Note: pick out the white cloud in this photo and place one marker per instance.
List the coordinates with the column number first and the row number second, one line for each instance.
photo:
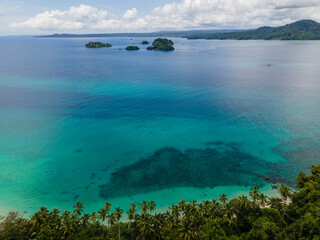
column 130, row 14
column 180, row 15
column 75, row 18
column 232, row 13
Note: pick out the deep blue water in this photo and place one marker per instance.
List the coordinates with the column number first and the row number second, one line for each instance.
column 93, row 125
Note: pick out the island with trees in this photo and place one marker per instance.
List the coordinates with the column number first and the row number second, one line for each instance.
column 132, row 48
column 98, row 45
column 294, row 215
column 162, row 44
column 144, row 43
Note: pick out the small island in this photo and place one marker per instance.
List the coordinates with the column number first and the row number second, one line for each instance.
column 162, row 44
column 130, row 48
column 144, row 42
column 98, row 45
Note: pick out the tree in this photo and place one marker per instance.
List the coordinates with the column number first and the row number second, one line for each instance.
column 103, row 213
column 118, row 214
column 262, row 199
column 112, row 219
column 187, row 229
column 151, row 206
column 78, row 209
column 94, row 217
column 144, row 207
column 223, row 199
column 254, row 194
column 284, row 191
column 238, row 219
column 244, row 202
column 145, row 226
column 130, row 48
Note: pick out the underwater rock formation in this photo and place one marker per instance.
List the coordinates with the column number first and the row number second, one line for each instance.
column 201, row 168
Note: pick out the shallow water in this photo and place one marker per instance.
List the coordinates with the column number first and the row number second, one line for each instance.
column 93, row 125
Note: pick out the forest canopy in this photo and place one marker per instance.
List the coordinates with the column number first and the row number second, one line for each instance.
column 292, row 215
column 162, row 44
column 300, row 30
column 130, row 48
column 97, row 45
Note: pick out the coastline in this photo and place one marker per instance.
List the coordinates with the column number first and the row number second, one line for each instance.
column 168, row 196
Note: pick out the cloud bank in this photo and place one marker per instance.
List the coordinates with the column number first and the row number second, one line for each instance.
column 185, row 14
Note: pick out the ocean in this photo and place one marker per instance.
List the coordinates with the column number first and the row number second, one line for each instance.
column 97, row 125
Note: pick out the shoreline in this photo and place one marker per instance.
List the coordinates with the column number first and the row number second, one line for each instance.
column 167, row 196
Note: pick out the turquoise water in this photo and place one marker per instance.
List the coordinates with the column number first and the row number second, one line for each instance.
column 96, row 125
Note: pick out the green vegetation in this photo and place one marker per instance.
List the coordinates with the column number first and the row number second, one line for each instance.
column 162, row 44
column 144, row 42
column 240, row 218
column 130, row 48
column 301, row 30
column 97, row 45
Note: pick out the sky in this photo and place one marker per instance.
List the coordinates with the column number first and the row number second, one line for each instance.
column 18, row 17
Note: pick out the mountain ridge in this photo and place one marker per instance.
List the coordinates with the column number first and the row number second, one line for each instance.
column 299, row 30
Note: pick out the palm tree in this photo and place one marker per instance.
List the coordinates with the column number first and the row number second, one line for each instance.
column 158, row 221
column 174, row 211
column 112, row 219
column 107, row 206
column 78, row 209
column 244, row 202
column 118, row 214
column 66, row 214
column 145, row 225
column 275, row 203
column 85, row 219
column 182, row 205
column 215, row 208
column 254, row 194
column 103, row 213
column 152, row 206
column 205, row 208
column 133, row 207
column 284, row 191
column 36, row 221
column 132, row 213
column 262, row 199
column 144, row 207
column 223, row 199
column 93, row 217
column 67, row 227
column 186, row 229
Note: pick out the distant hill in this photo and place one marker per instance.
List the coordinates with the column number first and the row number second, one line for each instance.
column 300, row 30
column 152, row 34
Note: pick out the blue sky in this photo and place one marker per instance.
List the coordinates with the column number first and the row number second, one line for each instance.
column 73, row 16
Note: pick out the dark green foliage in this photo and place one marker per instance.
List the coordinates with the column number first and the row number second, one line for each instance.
column 144, row 42
column 301, row 30
column 97, row 45
column 160, row 41
column 239, row 218
column 162, row 44
column 132, row 48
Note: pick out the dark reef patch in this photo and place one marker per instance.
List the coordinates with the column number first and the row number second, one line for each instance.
column 93, row 176
column 299, row 154
column 201, row 168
